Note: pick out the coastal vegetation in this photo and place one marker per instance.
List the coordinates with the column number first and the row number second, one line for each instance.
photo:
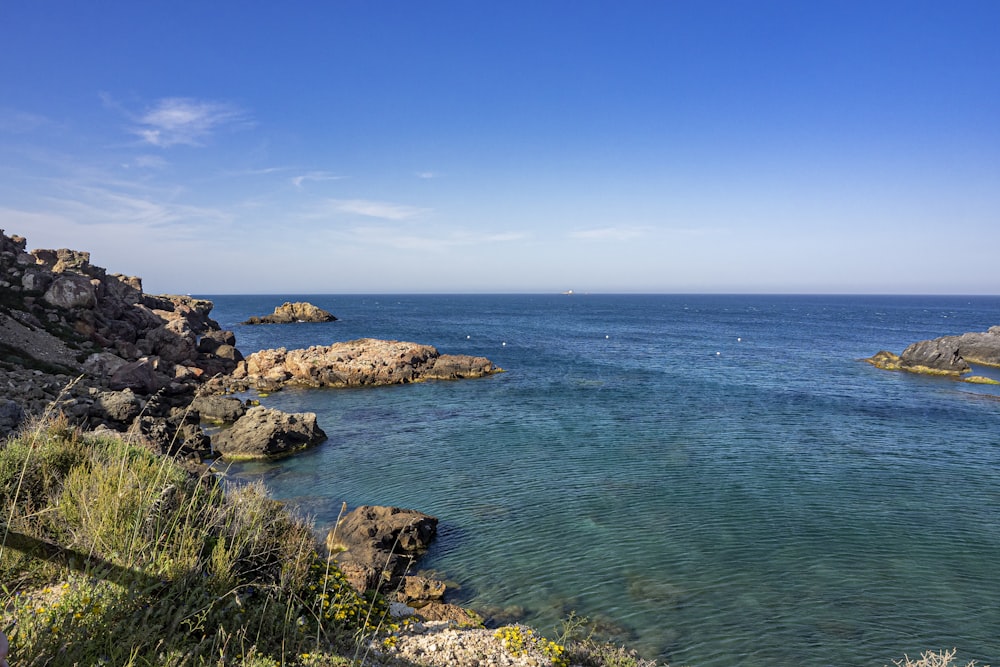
column 114, row 555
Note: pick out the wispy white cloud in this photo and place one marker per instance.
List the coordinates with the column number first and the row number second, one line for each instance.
column 610, row 233
column 185, row 121
column 377, row 209
column 148, row 162
column 21, row 122
column 91, row 201
column 444, row 240
column 426, row 174
column 317, row 176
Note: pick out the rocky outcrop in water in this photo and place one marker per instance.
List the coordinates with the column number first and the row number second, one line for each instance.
column 287, row 313
column 363, row 362
column 948, row 355
column 263, row 433
column 375, row 546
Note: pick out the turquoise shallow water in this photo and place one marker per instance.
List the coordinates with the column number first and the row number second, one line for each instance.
column 715, row 479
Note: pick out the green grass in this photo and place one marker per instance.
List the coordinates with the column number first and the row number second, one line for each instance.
column 113, row 555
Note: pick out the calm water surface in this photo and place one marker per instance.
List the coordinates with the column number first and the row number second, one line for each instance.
column 716, row 480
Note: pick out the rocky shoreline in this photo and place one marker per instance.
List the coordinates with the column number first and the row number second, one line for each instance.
column 92, row 348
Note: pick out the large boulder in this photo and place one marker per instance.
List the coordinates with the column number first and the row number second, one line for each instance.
column 175, row 434
column 940, row 355
column 375, row 546
column 103, row 364
column 286, row 313
column 11, row 417
column 140, row 376
column 119, row 407
column 981, row 348
column 361, row 362
column 264, row 433
column 225, row 409
column 71, row 291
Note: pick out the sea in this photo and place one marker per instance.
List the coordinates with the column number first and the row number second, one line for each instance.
column 714, row 480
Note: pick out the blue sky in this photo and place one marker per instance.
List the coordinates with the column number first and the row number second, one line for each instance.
column 389, row 147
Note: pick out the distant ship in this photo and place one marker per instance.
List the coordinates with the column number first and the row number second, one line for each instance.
column 569, row 291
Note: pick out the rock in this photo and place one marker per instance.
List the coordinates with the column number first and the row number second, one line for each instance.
column 451, row 614
column 980, row 379
column 287, row 313
column 212, row 340
column 139, row 376
column 40, row 348
column 264, row 433
column 361, row 362
column 219, row 408
column 116, row 406
column 947, row 355
column 981, row 348
column 174, row 435
column 938, row 355
column 174, row 342
column 375, row 546
column 71, row 291
column 11, row 417
column 420, row 591
column 103, row 364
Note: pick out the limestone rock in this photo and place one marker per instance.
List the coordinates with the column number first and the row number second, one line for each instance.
column 71, row 291
column 286, row 313
column 361, row 362
column 263, row 433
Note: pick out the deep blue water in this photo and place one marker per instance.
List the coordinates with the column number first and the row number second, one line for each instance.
column 717, row 480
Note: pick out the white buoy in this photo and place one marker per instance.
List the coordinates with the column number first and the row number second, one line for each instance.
column 739, row 340
column 468, row 337
column 504, row 343
column 606, row 337
column 718, row 354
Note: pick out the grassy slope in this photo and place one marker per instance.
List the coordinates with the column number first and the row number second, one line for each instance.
column 112, row 555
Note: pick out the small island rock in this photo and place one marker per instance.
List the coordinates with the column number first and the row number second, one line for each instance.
column 947, row 355
column 362, row 362
column 286, row 313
